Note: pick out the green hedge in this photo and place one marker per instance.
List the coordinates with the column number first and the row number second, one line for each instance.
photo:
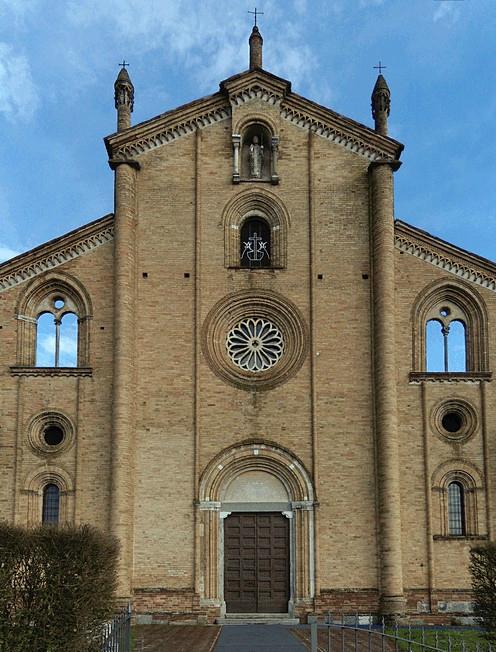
column 57, row 588
column 483, row 571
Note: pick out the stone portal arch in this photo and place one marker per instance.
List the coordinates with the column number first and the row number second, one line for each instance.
column 256, row 477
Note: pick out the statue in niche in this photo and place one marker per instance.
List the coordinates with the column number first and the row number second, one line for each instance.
column 256, row 158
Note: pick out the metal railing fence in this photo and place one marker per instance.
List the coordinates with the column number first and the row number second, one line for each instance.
column 359, row 633
column 116, row 636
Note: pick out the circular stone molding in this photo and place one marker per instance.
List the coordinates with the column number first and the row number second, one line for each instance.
column 50, row 433
column 454, row 420
column 254, row 339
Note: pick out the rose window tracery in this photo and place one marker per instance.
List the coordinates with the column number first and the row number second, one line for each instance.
column 255, row 344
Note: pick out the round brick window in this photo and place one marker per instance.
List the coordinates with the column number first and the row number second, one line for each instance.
column 454, row 420
column 50, row 433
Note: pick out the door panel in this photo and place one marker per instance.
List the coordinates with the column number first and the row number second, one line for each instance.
column 256, row 563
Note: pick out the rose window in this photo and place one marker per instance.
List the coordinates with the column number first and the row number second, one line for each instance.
column 255, row 344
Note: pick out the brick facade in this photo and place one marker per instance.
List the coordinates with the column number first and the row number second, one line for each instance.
column 163, row 421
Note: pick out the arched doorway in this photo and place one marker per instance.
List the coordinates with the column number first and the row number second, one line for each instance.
column 256, row 531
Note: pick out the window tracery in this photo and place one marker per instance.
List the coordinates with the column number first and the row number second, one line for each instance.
column 53, row 323
column 449, row 330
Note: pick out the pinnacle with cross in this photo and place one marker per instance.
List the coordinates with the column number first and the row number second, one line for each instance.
column 123, row 64
column 256, row 13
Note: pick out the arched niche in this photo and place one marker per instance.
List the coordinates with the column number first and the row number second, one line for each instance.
column 255, row 151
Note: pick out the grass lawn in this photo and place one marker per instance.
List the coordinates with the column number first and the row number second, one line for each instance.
column 446, row 638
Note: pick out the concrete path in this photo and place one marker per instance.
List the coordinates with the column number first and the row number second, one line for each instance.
column 257, row 638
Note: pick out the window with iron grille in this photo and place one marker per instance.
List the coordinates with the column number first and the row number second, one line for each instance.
column 456, row 509
column 51, row 504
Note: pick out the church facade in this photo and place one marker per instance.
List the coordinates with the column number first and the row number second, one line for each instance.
column 281, row 396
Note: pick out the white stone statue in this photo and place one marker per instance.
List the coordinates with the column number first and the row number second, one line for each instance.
column 256, row 159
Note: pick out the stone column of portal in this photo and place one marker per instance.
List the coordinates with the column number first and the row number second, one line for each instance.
column 386, row 429
column 123, row 403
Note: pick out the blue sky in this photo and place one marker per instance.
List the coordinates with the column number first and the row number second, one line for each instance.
column 58, row 62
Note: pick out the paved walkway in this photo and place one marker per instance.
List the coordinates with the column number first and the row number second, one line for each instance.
column 257, row 638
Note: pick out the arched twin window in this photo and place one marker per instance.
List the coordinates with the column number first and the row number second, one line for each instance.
column 450, row 330
column 445, row 342
column 57, row 336
column 53, row 323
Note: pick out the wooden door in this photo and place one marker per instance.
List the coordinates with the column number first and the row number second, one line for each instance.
column 256, row 563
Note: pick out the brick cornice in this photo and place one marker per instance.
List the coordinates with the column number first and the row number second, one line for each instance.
column 50, row 371
column 56, row 252
column 167, row 127
column 242, row 88
column 447, row 257
column 343, row 131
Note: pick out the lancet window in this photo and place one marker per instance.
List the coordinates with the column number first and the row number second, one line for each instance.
column 456, row 509
column 51, row 504
column 458, row 492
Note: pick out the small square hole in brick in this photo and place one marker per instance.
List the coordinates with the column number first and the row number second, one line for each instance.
column 102, row 328
column 186, row 274
column 320, row 276
column 145, row 274
column 365, row 276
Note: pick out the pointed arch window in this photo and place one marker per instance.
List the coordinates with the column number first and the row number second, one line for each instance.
column 51, row 504
column 255, row 243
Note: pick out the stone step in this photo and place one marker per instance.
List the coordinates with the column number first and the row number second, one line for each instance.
column 257, row 619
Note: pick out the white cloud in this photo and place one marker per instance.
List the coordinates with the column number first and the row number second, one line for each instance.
column 18, row 94
column 446, row 11
column 6, row 253
column 191, row 35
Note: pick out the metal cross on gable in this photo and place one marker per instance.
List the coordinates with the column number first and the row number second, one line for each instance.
column 256, row 13
column 380, row 67
column 123, row 64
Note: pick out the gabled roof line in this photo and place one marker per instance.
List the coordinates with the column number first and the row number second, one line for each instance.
column 56, row 252
column 247, row 86
column 444, row 255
